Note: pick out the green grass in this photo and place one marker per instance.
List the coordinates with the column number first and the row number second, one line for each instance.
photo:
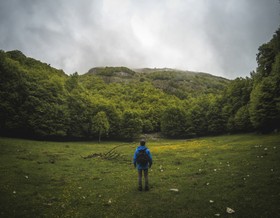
column 50, row 179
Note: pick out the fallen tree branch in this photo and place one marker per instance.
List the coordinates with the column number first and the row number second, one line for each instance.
column 92, row 155
column 111, row 154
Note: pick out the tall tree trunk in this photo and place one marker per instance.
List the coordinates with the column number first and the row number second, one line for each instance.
column 99, row 137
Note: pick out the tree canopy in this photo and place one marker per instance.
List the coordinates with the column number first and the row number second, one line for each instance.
column 40, row 101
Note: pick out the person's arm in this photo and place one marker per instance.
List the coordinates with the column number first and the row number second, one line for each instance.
column 134, row 158
column 150, row 157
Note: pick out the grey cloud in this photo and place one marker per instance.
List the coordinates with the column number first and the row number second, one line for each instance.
column 219, row 37
column 235, row 32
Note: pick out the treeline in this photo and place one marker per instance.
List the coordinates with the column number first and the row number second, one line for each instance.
column 39, row 101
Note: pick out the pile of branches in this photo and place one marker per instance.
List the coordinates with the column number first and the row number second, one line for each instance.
column 110, row 155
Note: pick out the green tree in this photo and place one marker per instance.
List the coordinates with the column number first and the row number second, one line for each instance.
column 242, row 120
column 72, row 82
column 215, row 117
column 81, row 111
column 101, row 124
column 176, row 123
column 235, row 97
column 13, row 93
column 131, row 125
column 264, row 105
column 265, row 101
column 267, row 56
column 198, row 108
column 32, row 97
column 113, row 115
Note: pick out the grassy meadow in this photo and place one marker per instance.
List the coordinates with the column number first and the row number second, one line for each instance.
column 51, row 179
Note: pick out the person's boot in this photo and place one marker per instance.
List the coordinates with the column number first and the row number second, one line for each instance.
column 140, row 188
column 147, row 185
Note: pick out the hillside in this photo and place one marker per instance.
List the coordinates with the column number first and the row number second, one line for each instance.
column 175, row 82
column 40, row 101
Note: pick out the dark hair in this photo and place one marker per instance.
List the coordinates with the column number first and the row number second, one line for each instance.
column 142, row 142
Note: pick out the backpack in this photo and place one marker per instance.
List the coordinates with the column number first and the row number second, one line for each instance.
column 142, row 157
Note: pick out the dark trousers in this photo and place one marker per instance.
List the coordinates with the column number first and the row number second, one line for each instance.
column 140, row 173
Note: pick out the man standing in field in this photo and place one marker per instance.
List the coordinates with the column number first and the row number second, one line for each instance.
column 142, row 159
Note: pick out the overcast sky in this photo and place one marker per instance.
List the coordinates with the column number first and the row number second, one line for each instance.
column 220, row 37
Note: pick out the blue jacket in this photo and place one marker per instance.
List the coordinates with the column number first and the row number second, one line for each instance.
column 140, row 167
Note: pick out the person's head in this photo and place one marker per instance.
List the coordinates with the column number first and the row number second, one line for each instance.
column 142, row 142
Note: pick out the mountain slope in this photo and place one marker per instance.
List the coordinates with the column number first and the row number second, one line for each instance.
column 176, row 82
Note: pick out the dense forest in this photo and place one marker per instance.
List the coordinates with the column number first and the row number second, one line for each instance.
column 39, row 101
